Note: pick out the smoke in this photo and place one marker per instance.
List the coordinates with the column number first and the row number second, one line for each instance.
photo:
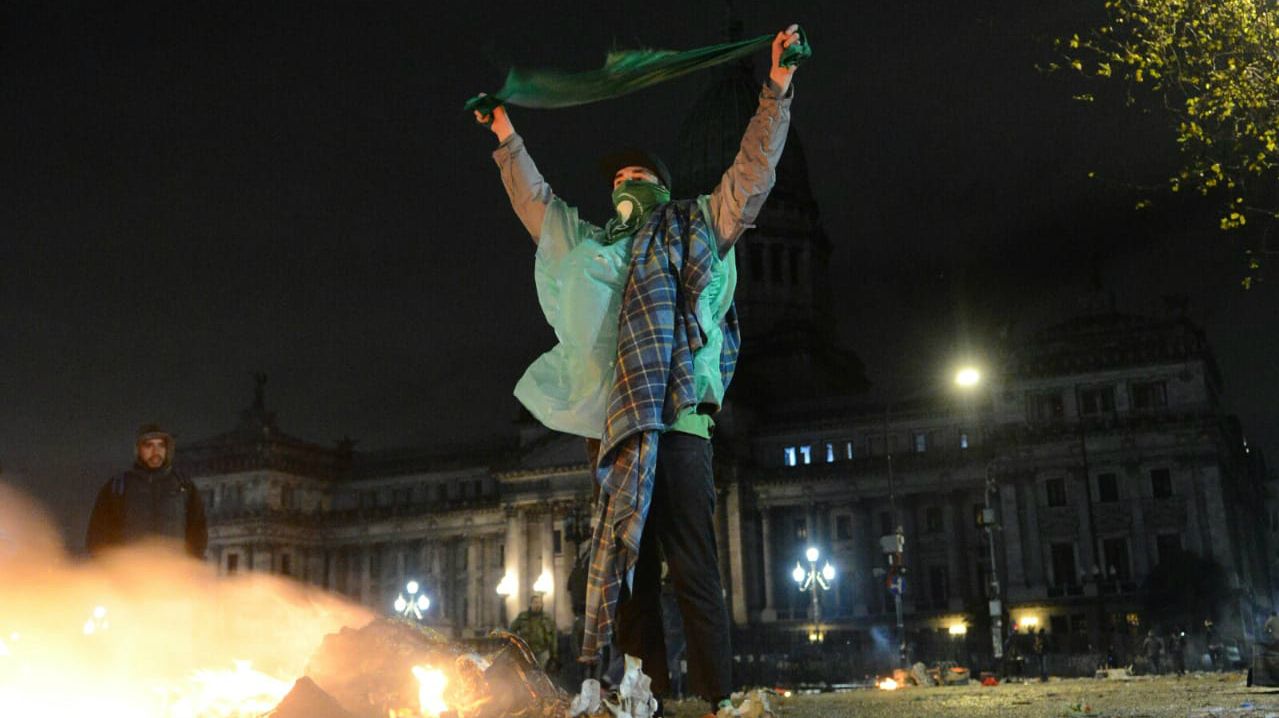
column 882, row 639
column 126, row 634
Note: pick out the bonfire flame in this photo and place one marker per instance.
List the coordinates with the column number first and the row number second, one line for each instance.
column 230, row 694
column 167, row 646
column 432, row 682
column 181, row 642
column 888, row 684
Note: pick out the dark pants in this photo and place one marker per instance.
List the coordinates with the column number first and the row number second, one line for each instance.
column 681, row 523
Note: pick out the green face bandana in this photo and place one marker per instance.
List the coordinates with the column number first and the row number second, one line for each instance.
column 633, row 200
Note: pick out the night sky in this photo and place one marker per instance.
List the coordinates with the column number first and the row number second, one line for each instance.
column 196, row 192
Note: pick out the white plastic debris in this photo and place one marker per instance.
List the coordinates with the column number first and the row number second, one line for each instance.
column 587, row 702
column 759, row 703
column 634, row 697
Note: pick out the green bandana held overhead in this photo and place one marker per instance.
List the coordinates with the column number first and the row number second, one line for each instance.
column 634, row 201
column 623, row 73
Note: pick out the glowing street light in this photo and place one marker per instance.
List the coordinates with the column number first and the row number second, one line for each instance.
column 813, row 580
column 544, row 583
column 506, row 587
column 97, row 621
column 416, row 605
column 968, row 377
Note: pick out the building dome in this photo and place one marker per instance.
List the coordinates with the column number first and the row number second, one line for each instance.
column 789, row 347
column 711, row 133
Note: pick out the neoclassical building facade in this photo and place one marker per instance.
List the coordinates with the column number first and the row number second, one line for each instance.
column 1102, row 438
column 1107, row 448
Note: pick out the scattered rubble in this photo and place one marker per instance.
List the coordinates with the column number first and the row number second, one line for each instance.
column 369, row 673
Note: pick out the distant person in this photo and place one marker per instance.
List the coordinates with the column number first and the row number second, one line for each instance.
column 537, row 629
column 150, row 500
column 1040, row 646
column 1011, row 665
column 1153, row 647
column 1213, row 641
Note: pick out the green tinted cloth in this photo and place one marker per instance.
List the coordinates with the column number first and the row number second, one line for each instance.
column 690, row 422
column 624, row 72
column 580, row 278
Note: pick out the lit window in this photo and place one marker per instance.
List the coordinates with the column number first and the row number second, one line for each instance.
column 830, row 453
column 806, row 454
column 921, row 442
column 789, row 455
column 848, row 450
column 963, row 440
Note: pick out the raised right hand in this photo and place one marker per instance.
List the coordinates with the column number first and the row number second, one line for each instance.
column 498, row 121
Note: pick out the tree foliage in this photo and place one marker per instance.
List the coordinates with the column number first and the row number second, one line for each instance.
column 1213, row 65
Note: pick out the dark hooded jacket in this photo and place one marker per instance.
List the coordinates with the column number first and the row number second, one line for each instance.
column 148, row 503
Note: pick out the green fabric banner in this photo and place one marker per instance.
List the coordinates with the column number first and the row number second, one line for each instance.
column 624, row 72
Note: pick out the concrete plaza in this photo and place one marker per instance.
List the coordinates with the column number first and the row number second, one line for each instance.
column 1201, row 695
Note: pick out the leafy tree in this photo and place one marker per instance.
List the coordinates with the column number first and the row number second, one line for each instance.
column 1213, row 66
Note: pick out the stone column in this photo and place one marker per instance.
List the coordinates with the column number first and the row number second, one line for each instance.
column 736, row 558
column 866, row 555
column 1141, row 550
column 514, row 552
column 263, row 560
column 318, row 562
column 1207, row 481
column 563, row 566
column 400, row 566
column 1089, row 552
column 769, row 614
column 474, row 577
column 954, row 563
column 366, row 574
column 546, row 560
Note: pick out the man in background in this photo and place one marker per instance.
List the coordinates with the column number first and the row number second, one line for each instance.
column 538, row 630
column 150, row 500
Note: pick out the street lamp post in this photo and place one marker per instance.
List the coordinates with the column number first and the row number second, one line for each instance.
column 969, row 378
column 416, row 605
column 996, row 602
column 814, row 581
column 894, row 545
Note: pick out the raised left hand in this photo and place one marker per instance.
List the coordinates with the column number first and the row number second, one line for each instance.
column 781, row 76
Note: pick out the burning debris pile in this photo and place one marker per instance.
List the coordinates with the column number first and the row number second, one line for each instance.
column 146, row 632
column 391, row 667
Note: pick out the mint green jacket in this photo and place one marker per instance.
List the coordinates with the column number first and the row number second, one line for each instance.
column 580, row 279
